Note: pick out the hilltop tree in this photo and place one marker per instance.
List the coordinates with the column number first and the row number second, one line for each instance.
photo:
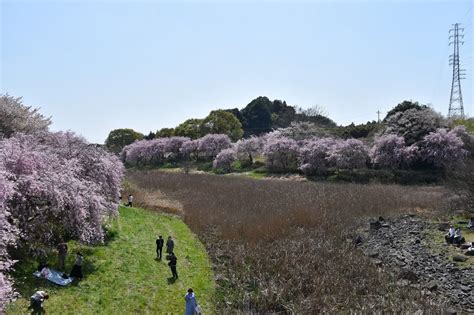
column 404, row 106
column 222, row 122
column 16, row 117
column 191, row 128
column 315, row 115
column 413, row 124
column 282, row 114
column 237, row 113
column 257, row 116
column 165, row 133
column 358, row 131
column 151, row 135
column 119, row 138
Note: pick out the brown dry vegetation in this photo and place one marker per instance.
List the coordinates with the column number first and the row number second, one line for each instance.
column 285, row 245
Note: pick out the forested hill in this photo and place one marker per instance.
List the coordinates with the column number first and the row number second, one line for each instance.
column 260, row 116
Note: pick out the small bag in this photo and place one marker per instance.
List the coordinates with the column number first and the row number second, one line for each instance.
column 198, row 309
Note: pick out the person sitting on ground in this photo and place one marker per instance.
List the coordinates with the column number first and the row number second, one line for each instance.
column 450, row 235
column 470, row 225
column 41, row 265
column 458, row 238
column 45, row 272
column 36, row 302
column 77, row 268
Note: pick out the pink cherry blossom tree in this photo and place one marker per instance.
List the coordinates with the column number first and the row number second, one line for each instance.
column 211, row 144
column 348, row 154
column 281, row 153
column 223, row 161
column 8, row 236
column 442, row 148
column 247, row 149
column 17, row 117
column 313, row 155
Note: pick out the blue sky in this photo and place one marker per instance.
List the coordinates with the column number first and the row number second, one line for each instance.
column 99, row 65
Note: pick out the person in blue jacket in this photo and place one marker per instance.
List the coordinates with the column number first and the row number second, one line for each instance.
column 191, row 302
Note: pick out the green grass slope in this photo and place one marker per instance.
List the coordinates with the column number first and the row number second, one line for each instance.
column 123, row 277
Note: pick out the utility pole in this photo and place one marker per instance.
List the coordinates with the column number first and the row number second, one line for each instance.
column 378, row 116
column 456, row 107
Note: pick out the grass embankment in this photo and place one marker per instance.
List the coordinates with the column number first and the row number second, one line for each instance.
column 123, row 277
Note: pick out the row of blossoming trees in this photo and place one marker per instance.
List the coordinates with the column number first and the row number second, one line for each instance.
column 53, row 186
column 440, row 149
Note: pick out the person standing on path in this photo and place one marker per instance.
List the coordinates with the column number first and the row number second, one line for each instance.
column 130, row 200
column 169, row 245
column 62, row 253
column 173, row 262
column 159, row 246
column 191, row 303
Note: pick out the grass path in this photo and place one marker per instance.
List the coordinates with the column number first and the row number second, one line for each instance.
column 123, row 277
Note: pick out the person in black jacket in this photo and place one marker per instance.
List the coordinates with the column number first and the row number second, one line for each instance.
column 169, row 245
column 172, row 264
column 159, row 246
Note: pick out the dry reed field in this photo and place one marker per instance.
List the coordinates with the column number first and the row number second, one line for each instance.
column 285, row 246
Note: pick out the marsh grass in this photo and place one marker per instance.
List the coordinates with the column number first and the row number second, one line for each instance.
column 286, row 246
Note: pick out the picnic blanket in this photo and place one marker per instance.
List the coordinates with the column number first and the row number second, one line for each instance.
column 55, row 277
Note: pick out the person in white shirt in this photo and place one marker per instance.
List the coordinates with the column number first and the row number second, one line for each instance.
column 450, row 236
column 36, row 301
column 130, row 200
column 458, row 238
column 470, row 225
